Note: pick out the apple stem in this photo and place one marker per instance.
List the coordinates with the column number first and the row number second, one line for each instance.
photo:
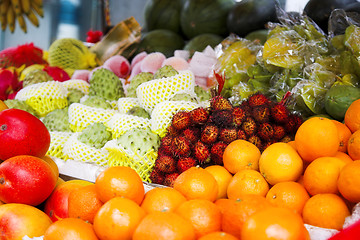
column 3, row 127
column 2, row 180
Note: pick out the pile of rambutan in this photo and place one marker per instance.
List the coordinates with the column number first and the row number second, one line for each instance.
column 200, row 136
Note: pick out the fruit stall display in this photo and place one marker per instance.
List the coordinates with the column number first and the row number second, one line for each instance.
column 188, row 139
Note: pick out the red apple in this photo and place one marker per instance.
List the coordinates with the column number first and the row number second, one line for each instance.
column 56, row 206
column 18, row 220
column 21, row 133
column 26, row 179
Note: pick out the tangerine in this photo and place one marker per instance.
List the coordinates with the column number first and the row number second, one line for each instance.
column 354, row 145
column 222, row 177
column 349, row 181
column 352, row 116
column 344, row 135
column 218, row 235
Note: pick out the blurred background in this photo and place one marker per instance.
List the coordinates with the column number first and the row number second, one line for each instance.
column 73, row 18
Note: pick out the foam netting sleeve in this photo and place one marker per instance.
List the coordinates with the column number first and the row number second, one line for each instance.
column 78, row 84
column 58, row 140
column 119, row 123
column 44, row 97
column 163, row 112
column 158, row 90
column 80, row 116
column 126, row 103
column 78, row 151
column 143, row 165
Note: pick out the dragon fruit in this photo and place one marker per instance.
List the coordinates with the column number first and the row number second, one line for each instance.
column 9, row 83
column 26, row 54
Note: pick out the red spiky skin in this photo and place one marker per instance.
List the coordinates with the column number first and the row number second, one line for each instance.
column 181, row 120
column 180, row 147
column 199, row 115
column 170, row 179
column 249, row 126
column 172, row 131
column 217, row 152
column 241, row 134
column 201, row 152
column 220, row 103
column 228, row 135
column 156, row 176
column 279, row 113
column 222, row 118
column 165, row 164
column 184, row 164
column 261, row 113
column 265, row 131
column 293, row 123
column 165, row 145
column 192, row 134
column 209, row 134
column 254, row 139
column 279, row 132
column 257, row 99
column 239, row 115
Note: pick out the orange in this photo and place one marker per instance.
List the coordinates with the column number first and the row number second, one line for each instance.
column 322, row 174
column 280, row 163
column 197, row 183
column 352, row 116
column 237, row 211
column 349, row 181
column 222, row 177
column 83, row 203
column 52, row 164
column 218, row 236
column 344, row 135
column 292, row 143
column 241, row 154
column 70, row 229
column 164, row 226
column 274, row 223
column 18, row 220
column 354, row 145
column 317, row 137
column 119, row 181
column 118, row 219
column 301, row 180
column 326, row 210
column 345, row 158
column 162, row 199
column 3, row 106
column 247, row 181
column 290, row 195
column 204, row 215
column 222, row 203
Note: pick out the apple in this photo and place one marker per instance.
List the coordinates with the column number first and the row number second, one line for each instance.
column 26, row 179
column 21, row 133
column 18, row 220
column 56, row 206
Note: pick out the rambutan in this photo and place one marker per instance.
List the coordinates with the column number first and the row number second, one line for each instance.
column 199, row 115
column 249, row 126
column 184, row 164
column 201, row 152
column 220, row 103
column 228, row 135
column 239, row 115
column 172, row 131
column 170, row 179
column 241, row 134
column 261, row 113
column 257, row 99
column 254, row 139
column 209, row 134
column 156, row 176
column 192, row 134
column 293, row 123
column 265, row 131
column 165, row 145
column 181, row 120
column 222, row 118
column 165, row 164
column 279, row 113
column 180, row 147
column 217, row 152
column 279, row 131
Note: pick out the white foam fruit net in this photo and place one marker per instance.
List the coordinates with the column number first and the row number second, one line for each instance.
column 142, row 164
column 126, row 103
column 155, row 91
column 80, row 116
column 163, row 112
column 119, row 123
column 78, row 84
column 58, row 140
column 78, row 151
column 44, row 97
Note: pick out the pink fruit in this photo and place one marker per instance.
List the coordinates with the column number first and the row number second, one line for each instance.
column 118, row 65
column 82, row 74
column 135, row 70
column 138, row 58
column 152, row 62
column 26, row 179
column 177, row 63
